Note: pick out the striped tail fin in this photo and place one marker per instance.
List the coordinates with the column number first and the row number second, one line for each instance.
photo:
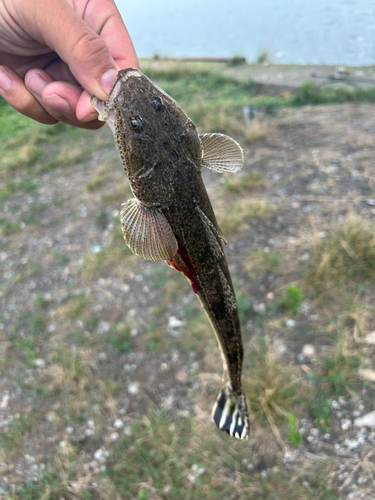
column 230, row 413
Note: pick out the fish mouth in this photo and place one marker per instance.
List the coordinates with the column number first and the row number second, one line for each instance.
column 122, row 76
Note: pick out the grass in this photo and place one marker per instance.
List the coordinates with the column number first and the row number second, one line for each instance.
column 346, row 253
column 260, row 262
column 311, row 93
column 292, row 299
column 116, row 253
column 272, row 388
column 164, row 455
column 234, row 216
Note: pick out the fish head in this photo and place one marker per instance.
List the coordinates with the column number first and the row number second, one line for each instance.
column 154, row 136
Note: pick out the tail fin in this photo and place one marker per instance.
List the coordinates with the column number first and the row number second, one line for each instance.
column 230, row 413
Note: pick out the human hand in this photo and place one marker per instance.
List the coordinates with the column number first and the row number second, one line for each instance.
column 55, row 53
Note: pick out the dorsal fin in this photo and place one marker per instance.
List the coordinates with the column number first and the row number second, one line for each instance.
column 213, row 235
column 221, row 153
column 147, row 232
column 229, row 297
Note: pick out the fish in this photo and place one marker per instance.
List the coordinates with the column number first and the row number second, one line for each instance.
column 171, row 218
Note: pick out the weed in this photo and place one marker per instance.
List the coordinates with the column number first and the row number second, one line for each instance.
column 293, row 435
column 11, row 441
column 75, row 306
column 152, row 454
column 339, row 373
column 263, row 57
column 61, row 258
column 292, row 300
column 119, row 339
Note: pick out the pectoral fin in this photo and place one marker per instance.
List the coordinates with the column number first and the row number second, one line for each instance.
column 147, row 232
column 221, row 153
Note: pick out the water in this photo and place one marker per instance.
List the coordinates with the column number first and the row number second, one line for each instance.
column 292, row 31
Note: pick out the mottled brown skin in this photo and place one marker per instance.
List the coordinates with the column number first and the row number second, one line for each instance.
column 161, row 153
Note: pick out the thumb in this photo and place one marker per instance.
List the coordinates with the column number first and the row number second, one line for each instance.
column 56, row 25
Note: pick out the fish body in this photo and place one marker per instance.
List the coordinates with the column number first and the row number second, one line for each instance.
column 171, row 217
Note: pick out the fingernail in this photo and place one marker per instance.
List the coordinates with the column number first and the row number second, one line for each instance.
column 90, row 117
column 36, row 84
column 107, row 79
column 57, row 103
column 5, row 81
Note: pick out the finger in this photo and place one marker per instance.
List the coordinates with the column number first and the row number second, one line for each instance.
column 59, row 99
column 14, row 91
column 77, row 44
column 104, row 18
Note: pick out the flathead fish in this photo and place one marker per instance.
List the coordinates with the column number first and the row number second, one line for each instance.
column 171, row 218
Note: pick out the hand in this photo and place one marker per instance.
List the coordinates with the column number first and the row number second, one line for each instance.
column 55, row 53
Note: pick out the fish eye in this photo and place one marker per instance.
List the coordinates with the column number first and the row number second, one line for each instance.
column 158, row 103
column 136, row 123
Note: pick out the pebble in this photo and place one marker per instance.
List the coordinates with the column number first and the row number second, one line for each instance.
column 370, row 338
column 118, row 424
column 367, row 374
column 345, row 424
column 367, row 420
column 39, row 363
column 174, row 323
column 290, row 323
column 114, row 436
column 133, row 388
column 69, row 430
column 98, row 454
column 308, row 350
column 104, row 327
column 89, row 432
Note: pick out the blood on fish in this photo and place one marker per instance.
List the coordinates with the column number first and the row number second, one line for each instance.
column 182, row 263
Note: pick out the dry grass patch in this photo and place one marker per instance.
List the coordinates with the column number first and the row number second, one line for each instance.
column 242, row 183
column 271, row 388
column 234, row 217
column 347, row 252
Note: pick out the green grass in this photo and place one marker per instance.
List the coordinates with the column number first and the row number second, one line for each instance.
column 292, row 299
column 311, row 93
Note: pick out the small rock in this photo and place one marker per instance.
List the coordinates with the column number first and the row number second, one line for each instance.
column 181, row 376
column 174, row 323
column 370, row 338
column 367, row 374
column 98, row 454
column 39, row 363
column 118, row 424
column 89, row 432
column 290, row 323
column 133, row 388
column 367, row 420
column 114, row 436
column 261, row 308
column 69, row 430
column 345, row 424
column 90, row 423
column 104, row 327
column 308, row 350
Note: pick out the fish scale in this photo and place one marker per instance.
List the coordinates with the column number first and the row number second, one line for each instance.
column 171, row 217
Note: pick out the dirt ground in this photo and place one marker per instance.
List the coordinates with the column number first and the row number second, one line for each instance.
column 61, row 304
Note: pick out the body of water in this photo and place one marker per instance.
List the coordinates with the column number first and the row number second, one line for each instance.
column 292, row 31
